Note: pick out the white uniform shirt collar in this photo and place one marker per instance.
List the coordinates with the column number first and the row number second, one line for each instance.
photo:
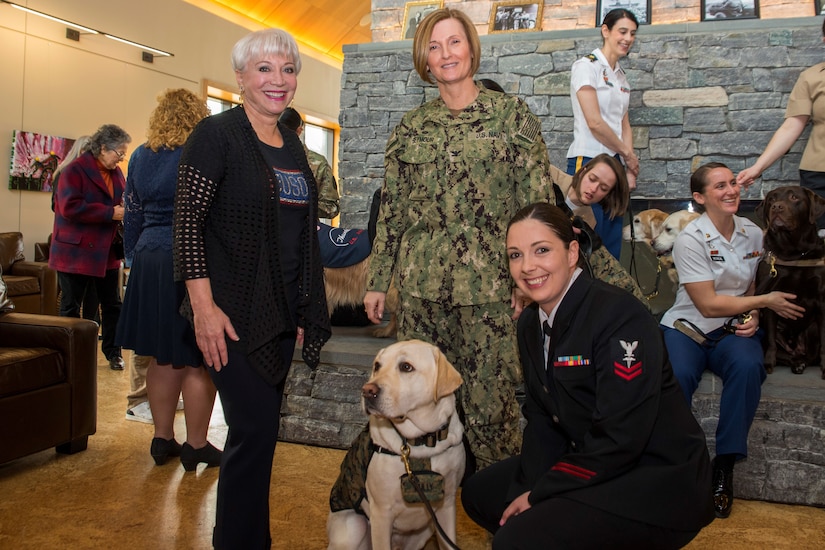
column 603, row 60
column 551, row 317
column 709, row 231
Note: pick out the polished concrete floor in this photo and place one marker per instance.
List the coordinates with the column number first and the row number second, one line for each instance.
column 113, row 496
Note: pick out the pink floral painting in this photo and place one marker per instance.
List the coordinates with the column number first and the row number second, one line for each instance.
column 34, row 158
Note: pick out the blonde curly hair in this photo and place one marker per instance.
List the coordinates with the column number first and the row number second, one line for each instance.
column 177, row 114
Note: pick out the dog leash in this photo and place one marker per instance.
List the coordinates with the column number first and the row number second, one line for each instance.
column 633, row 268
column 695, row 333
column 405, row 457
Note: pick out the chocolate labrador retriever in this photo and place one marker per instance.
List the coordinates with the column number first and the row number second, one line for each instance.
column 793, row 261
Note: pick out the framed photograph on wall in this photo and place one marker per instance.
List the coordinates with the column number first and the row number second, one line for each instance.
column 414, row 12
column 713, row 10
column 640, row 8
column 34, row 158
column 515, row 16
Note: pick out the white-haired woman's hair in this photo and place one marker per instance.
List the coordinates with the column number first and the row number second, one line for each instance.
column 265, row 42
column 79, row 147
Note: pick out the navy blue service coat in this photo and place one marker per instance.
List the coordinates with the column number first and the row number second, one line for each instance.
column 607, row 423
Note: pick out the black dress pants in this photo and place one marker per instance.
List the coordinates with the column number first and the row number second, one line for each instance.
column 73, row 290
column 252, row 409
column 557, row 523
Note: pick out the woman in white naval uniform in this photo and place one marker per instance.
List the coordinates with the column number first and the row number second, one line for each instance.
column 600, row 95
column 716, row 257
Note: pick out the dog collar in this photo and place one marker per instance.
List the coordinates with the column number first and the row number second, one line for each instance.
column 773, row 261
column 430, row 439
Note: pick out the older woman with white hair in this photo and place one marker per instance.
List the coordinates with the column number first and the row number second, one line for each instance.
column 245, row 245
column 87, row 212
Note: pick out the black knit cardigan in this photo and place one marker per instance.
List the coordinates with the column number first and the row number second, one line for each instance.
column 226, row 228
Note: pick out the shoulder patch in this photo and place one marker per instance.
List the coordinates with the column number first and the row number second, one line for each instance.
column 592, row 57
column 530, row 128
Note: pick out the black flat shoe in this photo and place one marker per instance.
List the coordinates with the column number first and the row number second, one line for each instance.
column 191, row 457
column 722, row 492
column 116, row 363
column 162, row 449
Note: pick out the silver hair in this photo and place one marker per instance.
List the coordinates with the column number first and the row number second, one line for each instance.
column 80, row 146
column 110, row 135
column 265, row 42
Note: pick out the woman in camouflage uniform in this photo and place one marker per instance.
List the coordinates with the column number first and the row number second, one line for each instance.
column 457, row 168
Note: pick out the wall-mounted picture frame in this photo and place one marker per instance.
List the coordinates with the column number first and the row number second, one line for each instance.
column 640, row 8
column 515, row 16
column 720, row 10
column 414, row 12
column 34, row 158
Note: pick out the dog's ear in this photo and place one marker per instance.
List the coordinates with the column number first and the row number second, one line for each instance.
column 656, row 224
column 447, row 378
column 817, row 205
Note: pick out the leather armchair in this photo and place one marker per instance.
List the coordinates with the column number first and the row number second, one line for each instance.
column 48, row 384
column 32, row 286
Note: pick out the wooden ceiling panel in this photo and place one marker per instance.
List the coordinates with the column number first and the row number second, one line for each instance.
column 323, row 24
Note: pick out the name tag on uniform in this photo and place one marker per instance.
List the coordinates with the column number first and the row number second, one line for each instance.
column 714, row 255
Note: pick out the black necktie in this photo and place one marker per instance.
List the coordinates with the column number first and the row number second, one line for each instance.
column 545, row 327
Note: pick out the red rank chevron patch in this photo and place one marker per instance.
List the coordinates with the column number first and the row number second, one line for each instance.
column 573, row 470
column 628, row 373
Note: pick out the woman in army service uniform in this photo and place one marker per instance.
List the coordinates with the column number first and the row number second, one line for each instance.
column 457, row 169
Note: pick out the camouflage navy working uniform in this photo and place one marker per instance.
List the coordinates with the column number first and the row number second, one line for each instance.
column 328, row 199
column 452, row 185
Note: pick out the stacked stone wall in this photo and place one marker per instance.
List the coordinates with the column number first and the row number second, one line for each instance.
column 712, row 91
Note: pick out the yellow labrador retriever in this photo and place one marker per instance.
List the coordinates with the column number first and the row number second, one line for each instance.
column 663, row 244
column 646, row 226
column 410, row 401
column 671, row 227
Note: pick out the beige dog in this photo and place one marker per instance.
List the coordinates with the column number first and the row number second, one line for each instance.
column 345, row 287
column 646, row 226
column 663, row 243
column 671, row 227
column 410, row 401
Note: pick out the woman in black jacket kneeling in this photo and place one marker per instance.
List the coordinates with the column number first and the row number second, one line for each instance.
column 612, row 456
